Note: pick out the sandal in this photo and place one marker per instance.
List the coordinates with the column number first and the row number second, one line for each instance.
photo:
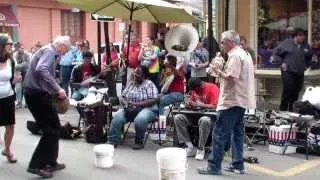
column 10, row 157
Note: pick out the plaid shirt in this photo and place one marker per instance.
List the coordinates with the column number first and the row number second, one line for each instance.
column 135, row 93
column 199, row 56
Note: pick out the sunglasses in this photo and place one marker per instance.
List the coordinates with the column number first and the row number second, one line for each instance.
column 10, row 44
column 223, row 41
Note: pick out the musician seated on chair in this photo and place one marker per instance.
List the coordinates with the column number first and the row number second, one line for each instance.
column 139, row 100
column 203, row 95
column 80, row 74
column 172, row 83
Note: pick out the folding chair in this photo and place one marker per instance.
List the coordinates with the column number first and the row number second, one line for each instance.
column 149, row 128
column 170, row 116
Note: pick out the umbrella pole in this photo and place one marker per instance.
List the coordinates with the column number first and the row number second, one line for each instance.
column 128, row 44
column 210, row 31
column 99, row 42
column 107, row 41
column 110, row 79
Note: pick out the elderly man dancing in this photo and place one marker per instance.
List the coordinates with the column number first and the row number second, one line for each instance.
column 40, row 87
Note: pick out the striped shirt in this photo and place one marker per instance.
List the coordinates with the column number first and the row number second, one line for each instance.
column 135, row 93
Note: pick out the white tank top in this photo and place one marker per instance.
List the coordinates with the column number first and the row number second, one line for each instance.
column 5, row 85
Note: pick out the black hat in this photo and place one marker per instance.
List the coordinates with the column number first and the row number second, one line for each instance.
column 171, row 59
column 195, row 83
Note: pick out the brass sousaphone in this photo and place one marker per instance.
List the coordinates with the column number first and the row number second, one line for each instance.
column 181, row 40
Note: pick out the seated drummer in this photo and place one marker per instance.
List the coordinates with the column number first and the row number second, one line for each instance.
column 139, row 99
column 203, row 95
column 81, row 73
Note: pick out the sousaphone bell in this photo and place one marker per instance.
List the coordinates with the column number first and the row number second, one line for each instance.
column 181, row 40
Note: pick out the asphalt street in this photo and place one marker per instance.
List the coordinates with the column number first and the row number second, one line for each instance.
column 139, row 165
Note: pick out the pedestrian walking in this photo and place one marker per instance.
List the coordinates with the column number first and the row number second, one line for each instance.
column 22, row 60
column 7, row 94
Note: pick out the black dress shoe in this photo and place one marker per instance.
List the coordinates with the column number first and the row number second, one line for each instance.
column 41, row 172
column 55, row 167
column 138, row 146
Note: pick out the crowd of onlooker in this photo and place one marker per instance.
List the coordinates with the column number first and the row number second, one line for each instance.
column 147, row 72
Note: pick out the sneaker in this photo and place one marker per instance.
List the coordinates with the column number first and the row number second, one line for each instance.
column 231, row 168
column 200, row 154
column 208, row 171
column 191, row 151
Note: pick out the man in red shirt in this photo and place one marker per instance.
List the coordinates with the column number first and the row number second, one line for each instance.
column 133, row 60
column 203, row 95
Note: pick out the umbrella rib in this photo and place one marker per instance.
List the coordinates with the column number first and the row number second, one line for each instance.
column 126, row 5
column 139, row 7
column 116, row 1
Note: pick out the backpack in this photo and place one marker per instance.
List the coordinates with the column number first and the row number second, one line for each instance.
column 67, row 131
column 306, row 108
column 95, row 134
column 95, row 130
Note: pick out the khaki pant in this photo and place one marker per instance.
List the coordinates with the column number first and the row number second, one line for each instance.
column 182, row 122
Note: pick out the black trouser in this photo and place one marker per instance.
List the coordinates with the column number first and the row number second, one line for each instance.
column 155, row 78
column 292, row 84
column 46, row 116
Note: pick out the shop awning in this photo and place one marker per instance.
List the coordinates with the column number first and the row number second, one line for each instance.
column 7, row 17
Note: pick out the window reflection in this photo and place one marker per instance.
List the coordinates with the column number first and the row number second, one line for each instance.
column 276, row 21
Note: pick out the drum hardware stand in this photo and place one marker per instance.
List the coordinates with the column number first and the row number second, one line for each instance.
column 261, row 122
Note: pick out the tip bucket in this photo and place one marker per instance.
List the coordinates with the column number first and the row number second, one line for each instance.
column 103, row 155
column 172, row 163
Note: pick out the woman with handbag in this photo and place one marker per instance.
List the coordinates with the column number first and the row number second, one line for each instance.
column 139, row 100
column 7, row 94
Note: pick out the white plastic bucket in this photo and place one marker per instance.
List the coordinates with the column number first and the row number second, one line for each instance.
column 172, row 163
column 103, row 155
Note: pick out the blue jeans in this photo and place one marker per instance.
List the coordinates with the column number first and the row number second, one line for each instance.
column 19, row 92
column 168, row 99
column 141, row 121
column 229, row 121
column 65, row 74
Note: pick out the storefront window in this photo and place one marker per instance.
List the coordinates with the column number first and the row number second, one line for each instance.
column 276, row 21
column 315, row 43
column 72, row 24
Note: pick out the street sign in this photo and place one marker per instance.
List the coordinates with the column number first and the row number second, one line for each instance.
column 97, row 17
